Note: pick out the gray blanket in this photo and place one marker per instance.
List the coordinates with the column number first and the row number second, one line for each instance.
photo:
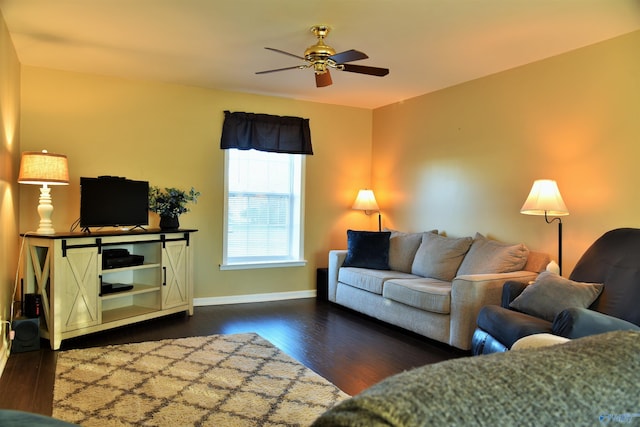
column 589, row 381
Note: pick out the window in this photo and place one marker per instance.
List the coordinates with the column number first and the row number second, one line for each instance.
column 263, row 209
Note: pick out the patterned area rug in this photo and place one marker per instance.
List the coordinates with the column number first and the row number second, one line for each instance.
column 219, row 380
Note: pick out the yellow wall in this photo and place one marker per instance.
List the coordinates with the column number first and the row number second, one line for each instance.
column 463, row 159
column 9, row 164
column 169, row 135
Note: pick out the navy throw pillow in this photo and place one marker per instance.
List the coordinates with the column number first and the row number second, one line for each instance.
column 368, row 249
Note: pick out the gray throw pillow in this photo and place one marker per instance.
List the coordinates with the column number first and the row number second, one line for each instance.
column 550, row 294
column 403, row 248
column 439, row 257
column 490, row 256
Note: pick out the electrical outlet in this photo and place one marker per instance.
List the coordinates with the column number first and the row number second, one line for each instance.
column 7, row 332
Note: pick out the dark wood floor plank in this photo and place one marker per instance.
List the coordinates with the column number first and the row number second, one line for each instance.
column 19, row 381
column 349, row 349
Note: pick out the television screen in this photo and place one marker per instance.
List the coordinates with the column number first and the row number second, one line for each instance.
column 113, row 201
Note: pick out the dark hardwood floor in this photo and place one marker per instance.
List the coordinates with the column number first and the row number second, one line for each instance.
column 349, row 349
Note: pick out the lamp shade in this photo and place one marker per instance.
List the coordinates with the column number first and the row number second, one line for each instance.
column 365, row 201
column 544, row 199
column 41, row 167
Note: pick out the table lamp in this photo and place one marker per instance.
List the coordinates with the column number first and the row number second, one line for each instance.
column 43, row 168
column 545, row 199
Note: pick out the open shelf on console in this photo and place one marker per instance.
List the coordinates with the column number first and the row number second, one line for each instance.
column 137, row 290
column 125, row 313
column 130, row 268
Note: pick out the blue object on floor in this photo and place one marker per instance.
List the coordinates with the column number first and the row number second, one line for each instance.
column 11, row 418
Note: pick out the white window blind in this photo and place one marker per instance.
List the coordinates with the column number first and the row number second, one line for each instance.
column 263, row 210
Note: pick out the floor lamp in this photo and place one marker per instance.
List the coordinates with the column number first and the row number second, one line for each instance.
column 545, row 199
column 366, row 202
column 44, row 168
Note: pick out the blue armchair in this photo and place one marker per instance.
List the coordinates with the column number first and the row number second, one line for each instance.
column 613, row 260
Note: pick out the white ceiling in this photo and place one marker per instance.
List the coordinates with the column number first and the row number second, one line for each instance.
column 427, row 44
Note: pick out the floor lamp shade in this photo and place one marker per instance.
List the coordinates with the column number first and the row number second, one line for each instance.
column 44, row 168
column 366, row 201
column 545, row 199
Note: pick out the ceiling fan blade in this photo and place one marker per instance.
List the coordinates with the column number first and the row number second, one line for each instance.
column 284, row 53
column 348, row 56
column 372, row 71
column 323, row 79
column 279, row 69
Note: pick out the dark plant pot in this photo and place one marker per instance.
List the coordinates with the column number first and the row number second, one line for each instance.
column 169, row 223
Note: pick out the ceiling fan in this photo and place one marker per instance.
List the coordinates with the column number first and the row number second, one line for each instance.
column 322, row 58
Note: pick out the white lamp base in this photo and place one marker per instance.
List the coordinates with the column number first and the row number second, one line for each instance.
column 45, row 209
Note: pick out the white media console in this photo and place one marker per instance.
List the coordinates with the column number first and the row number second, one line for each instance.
column 66, row 269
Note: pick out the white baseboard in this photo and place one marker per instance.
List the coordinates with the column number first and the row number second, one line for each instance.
column 243, row 299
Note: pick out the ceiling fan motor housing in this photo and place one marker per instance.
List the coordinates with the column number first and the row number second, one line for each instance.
column 318, row 53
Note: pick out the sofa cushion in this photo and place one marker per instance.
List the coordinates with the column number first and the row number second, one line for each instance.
column 367, row 249
column 439, row 257
column 424, row 293
column 550, row 294
column 403, row 248
column 537, row 262
column 367, row 279
column 490, row 256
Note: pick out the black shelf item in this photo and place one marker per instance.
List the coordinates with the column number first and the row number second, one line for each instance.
column 322, row 284
column 112, row 288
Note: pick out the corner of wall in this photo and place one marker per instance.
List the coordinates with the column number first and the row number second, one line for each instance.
column 9, row 191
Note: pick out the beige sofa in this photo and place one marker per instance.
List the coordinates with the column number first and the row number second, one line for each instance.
column 434, row 285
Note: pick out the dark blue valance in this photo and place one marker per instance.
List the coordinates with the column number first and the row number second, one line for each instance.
column 264, row 132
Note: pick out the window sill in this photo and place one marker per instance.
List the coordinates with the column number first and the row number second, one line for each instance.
column 255, row 265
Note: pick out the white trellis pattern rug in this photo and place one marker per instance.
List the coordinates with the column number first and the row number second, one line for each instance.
column 219, row 380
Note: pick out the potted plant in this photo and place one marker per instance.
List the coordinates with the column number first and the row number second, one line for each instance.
column 170, row 203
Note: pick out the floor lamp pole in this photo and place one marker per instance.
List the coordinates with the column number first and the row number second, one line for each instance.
column 560, row 246
column 546, row 218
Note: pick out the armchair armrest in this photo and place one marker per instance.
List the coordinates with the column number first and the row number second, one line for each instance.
column 336, row 258
column 507, row 326
column 580, row 322
column 471, row 292
column 510, row 291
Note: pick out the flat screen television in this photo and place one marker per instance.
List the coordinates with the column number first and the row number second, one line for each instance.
column 113, row 201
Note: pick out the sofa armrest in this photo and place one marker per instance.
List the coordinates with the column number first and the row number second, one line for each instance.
column 336, row 258
column 578, row 322
column 471, row 292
